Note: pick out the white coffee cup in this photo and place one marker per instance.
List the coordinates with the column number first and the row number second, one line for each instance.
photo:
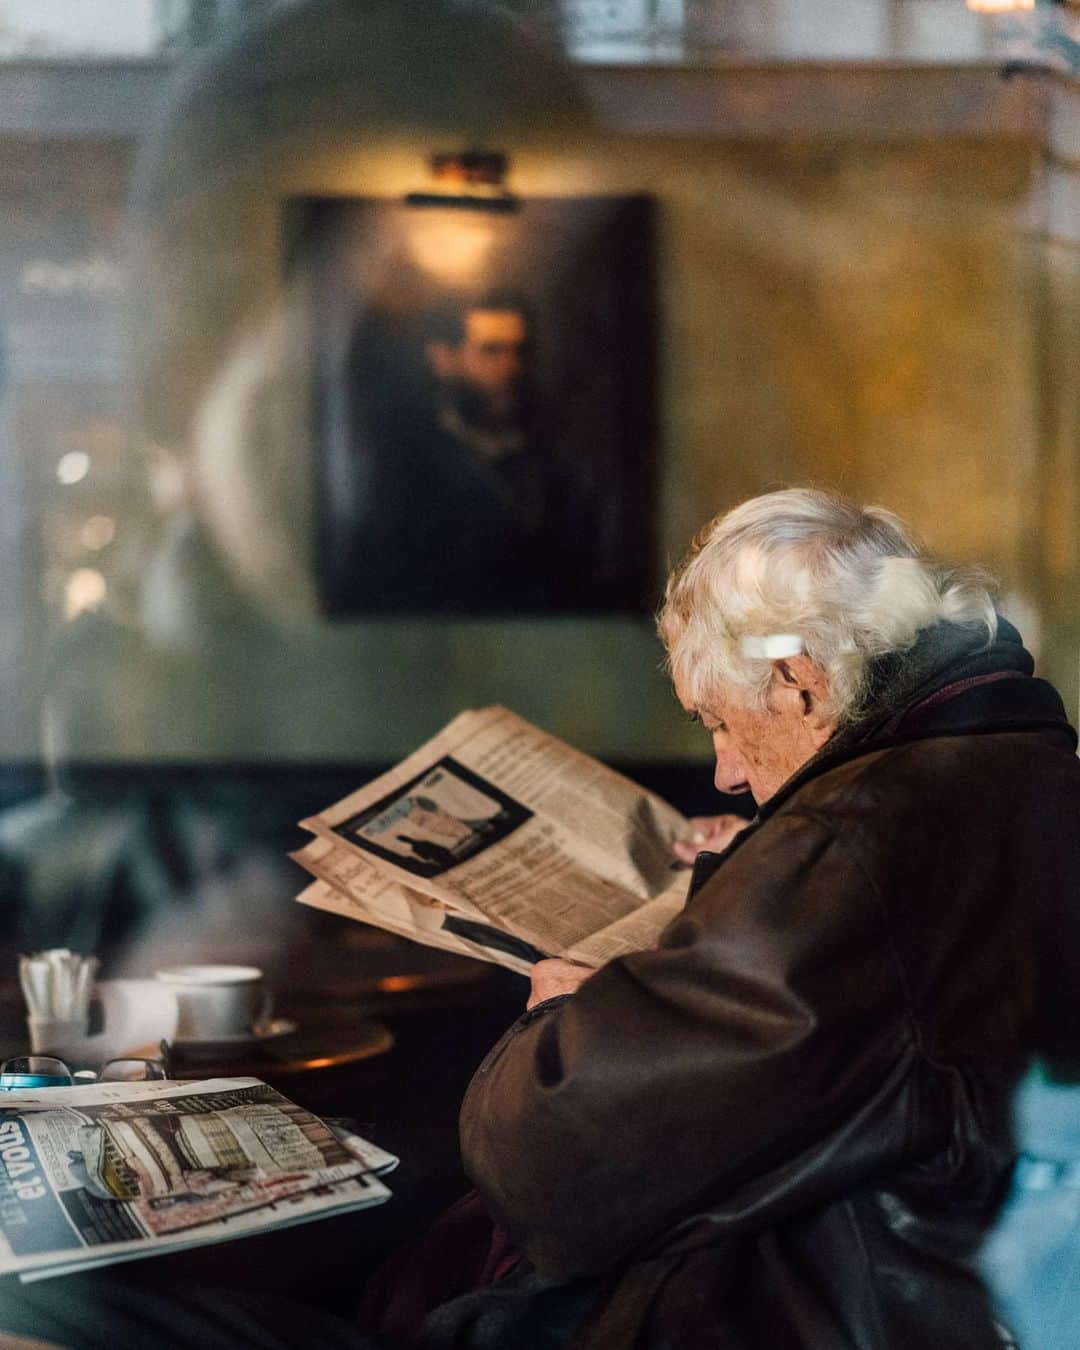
column 218, row 1001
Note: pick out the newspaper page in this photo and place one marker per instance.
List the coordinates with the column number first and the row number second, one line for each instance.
column 634, row 932
column 496, row 820
column 491, row 944
column 114, row 1171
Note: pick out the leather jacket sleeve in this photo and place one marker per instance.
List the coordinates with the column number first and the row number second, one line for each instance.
column 772, row 1009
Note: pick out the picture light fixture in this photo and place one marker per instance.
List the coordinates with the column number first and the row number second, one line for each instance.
column 469, row 180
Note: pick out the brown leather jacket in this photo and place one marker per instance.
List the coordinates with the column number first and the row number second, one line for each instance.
column 789, row 1125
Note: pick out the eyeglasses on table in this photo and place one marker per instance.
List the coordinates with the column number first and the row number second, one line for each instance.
column 46, row 1071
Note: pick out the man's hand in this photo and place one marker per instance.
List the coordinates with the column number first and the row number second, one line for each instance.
column 713, row 833
column 553, row 977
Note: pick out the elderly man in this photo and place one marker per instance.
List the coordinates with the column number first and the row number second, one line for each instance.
column 788, row 1125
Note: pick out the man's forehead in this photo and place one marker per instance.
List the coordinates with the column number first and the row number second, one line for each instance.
column 495, row 325
column 684, row 696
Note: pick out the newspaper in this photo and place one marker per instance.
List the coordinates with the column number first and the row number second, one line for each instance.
column 114, row 1171
column 499, row 841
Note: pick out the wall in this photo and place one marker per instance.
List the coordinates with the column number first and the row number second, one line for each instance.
column 1052, row 234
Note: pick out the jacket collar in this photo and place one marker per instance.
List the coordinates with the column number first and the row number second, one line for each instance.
column 950, row 683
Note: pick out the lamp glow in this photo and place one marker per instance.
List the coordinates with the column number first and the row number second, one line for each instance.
column 97, row 533
column 84, row 591
column 73, row 467
column 999, row 6
column 450, row 245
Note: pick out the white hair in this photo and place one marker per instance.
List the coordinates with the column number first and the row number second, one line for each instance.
column 850, row 581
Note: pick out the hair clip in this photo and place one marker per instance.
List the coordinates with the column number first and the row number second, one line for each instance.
column 773, row 647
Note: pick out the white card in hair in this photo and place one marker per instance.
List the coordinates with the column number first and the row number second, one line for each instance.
column 772, row 647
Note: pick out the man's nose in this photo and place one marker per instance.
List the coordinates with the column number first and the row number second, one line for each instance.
column 730, row 771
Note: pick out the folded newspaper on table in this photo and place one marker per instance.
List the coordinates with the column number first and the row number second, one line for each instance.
column 114, row 1171
column 498, row 841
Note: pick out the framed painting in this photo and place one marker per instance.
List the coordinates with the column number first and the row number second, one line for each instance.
column 484, row 404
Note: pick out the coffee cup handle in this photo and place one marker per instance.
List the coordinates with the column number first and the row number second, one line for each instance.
column 263, row 1019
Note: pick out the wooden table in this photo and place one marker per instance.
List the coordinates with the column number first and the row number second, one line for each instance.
column 331, row 989
column 327, row 1042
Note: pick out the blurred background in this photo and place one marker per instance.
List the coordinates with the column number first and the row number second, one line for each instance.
column 787, row 241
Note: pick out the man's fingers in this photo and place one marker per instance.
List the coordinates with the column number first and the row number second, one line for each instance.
column 553, row 977
column 707, row 832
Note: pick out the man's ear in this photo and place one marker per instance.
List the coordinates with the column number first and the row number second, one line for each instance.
column 442, row 358
column 804, row 677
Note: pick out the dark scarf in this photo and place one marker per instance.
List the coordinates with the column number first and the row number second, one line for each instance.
column 944, row 655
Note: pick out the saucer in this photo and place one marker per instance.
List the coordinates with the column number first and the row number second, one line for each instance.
column 214, row 1047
